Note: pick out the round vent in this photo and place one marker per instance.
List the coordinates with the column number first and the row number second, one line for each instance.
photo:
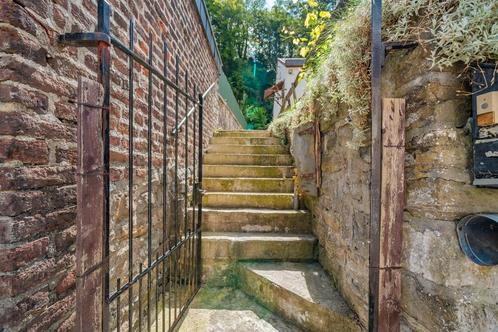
column 478, row 237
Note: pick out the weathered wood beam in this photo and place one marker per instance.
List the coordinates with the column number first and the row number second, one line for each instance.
column 391, row 214
column 90, row 211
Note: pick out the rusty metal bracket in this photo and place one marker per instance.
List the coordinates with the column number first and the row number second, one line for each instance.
column 85, row 39
column 100, row 107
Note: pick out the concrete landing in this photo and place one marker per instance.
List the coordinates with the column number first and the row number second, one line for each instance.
column 229, row 310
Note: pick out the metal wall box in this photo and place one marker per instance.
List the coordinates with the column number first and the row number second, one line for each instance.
column 487, row 109
column 485, row 128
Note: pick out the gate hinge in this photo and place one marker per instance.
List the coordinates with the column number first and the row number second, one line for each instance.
column 85, row 39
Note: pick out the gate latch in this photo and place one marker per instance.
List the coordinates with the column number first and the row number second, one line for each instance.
column 198, row 192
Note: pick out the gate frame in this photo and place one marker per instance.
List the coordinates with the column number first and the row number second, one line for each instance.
column 93, row 185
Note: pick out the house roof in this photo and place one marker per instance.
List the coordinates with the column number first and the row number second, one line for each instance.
column 292, row 62
column 274, row 89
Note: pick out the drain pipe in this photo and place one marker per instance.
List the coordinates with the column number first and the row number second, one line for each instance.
column 376, row 170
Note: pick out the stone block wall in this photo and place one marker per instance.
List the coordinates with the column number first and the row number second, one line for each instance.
column 38, row 151
column 442, row 290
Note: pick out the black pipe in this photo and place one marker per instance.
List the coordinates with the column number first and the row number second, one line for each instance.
column 376, row 171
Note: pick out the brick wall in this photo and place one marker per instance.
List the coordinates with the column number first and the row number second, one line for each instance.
column 38, row 79
column 442, row 290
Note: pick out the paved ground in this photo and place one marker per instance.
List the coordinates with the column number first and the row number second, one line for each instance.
column 229, row 310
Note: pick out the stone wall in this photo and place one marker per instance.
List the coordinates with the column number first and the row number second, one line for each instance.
column 442, row 290
column 226, row 118
column 38, row 152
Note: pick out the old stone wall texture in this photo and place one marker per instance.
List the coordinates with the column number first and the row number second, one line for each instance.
column 38, row 152
column 442, row 290
column 226, row 118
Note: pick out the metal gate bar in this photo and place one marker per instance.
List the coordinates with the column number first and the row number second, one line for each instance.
column 176, row 269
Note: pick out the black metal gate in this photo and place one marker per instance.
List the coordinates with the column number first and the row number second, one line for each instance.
column 162, row 265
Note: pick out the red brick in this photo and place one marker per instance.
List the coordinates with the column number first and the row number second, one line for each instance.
column 66, row 111
column 33, row 276
column 67, row 282
column 15, row 15
column 118, row 157
column 14, row 42
column 32, row 226
column 65, row 239
column 27, row 152
column 21, row 178
column 21, row 123
column 14, row 258
column 31, row 99
column 57, row 311
column 13, row 312
column 37, row 77
column 68, row 325
column 15, row 203
column 66, row 155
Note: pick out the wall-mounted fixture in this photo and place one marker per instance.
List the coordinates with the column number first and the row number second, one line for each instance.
column 485, row 128
column 487, row 109
column 478, row 237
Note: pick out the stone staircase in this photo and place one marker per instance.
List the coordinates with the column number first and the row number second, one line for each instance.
column 255, row 240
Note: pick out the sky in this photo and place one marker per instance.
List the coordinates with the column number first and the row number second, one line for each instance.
column 269, row 3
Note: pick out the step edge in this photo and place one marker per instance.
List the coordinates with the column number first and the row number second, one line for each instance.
column 240, row 193
column 249, row 210
column 246, row 178
column 350, row 317
column 267, row 236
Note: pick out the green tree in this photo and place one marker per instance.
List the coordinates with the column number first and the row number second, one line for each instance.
column 267, row 39
column 230, row 20
column 257, row 117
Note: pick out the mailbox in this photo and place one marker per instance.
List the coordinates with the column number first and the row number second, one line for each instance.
column 485, row 125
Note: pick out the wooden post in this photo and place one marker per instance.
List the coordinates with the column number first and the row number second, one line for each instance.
column 391, row 214
column 90, row 208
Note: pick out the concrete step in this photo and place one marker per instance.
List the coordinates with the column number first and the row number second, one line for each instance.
column 250, row 185
column 248, row 200
column 299, row 292
column 248, row 159
column 245, row 140
column 256, row 220
column 262, row 246
column 247, row 149
column 242, row 133
column 246, row 171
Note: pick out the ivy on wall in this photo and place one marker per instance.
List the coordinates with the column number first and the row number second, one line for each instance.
column 453, row 31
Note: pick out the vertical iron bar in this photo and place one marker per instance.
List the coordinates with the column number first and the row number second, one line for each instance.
column 165, row 176
column 185, row 213
column 104, row 56
column 195, row 196
column 140, row 298
column 118, row 307
column 176, row 177
column 149, row 182
column 157, row 293
column 169, row 292
column 199, row 211
column 377, row 59
column 130, row 172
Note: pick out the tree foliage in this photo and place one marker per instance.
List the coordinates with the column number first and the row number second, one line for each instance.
column 250, row 40
column 257, row 117
column 251, row 37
